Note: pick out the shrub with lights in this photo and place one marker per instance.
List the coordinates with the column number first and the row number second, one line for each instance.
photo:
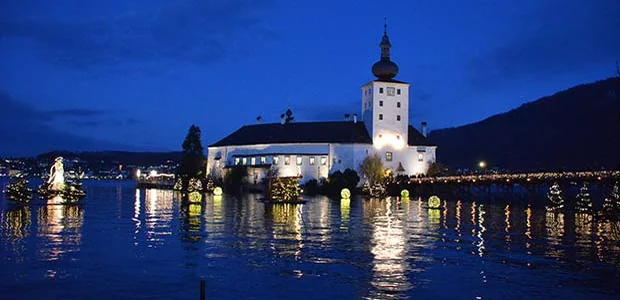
column 18, row 191
column 556, row 200
column 285, row 189
column 611, row 204
column 584, row 201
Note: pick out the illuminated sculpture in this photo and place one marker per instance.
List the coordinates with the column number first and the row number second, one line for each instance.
column 58, row 189
column 56, row 182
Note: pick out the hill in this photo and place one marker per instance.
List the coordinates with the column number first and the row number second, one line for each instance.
column 578, row 128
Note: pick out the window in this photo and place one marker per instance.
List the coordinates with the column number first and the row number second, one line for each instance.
column 398, row 118
column 388, row 156
column 275, row 160
column 323, row 160
column 390, row 91
column 299, row 160
column 420, row 157
column 312, row 160
column 380, row 90
column 253, row 160
column 237, row 160
column 287, row 160
column 398, row 104
column 398, row 92
column 381, row 103
column 263, row 160
column 244, row 161
column 398, row 137
column 380, row 116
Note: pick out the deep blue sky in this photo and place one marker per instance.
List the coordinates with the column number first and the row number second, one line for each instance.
column 140, row 72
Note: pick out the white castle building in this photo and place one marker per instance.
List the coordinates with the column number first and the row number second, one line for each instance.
column 316, row 149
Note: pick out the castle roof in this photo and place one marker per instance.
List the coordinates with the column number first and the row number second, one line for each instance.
column 345, row 132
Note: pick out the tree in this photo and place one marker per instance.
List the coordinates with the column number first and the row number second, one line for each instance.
column 372, row 169
column 611, row 204
column 436, row 169
column 193, row 161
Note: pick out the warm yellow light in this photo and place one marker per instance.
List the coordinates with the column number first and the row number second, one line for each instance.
column 390, row 139
column 195, row 197
column 217, row 191
column 434, row 202
column 404, row 194
column 345, row 193
column 482, row 164
column 153, row 173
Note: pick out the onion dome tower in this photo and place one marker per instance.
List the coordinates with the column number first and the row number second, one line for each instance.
column 385, row 69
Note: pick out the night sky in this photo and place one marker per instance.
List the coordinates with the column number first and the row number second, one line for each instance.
column 137, row 73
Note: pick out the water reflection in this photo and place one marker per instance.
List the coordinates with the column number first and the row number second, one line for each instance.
column 59, row 227
column 389, row 248
column 16, row 223
column 158, row 214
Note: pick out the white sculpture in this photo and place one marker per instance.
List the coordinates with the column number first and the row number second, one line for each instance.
column 57, row 175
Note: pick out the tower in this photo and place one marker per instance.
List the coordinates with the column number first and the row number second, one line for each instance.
column 385, row 108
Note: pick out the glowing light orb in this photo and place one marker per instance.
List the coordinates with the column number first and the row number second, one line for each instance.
column 195, row 197
column 345, row 193
column 404, row 194
column 217, row 191
column 153, row 173
column 434, row 202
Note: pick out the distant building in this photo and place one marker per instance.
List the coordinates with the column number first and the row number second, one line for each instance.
column 316, row 149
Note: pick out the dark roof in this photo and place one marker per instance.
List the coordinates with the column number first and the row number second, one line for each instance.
column 387, row 80
column 416, row 138
column 310, row 132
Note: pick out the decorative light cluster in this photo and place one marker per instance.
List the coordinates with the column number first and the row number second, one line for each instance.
column 529, row 177
column 556, row 200
column 345, row 193
column 584, row 201
column 434, row 202
column 19, row 191
column 194, row 185
column 285, row 189
column 611, row 204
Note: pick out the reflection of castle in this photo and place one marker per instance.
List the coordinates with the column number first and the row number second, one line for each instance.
column 315, row 149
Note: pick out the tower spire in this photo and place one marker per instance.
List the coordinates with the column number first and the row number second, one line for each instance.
column 385, row 68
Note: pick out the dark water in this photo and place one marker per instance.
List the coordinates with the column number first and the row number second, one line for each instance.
column 123, row 243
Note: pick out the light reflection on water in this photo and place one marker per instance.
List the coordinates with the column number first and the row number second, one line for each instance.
column 326, row 248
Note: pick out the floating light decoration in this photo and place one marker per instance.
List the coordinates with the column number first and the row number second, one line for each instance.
column 345, row 193
column 195, row 197
column 217, row 191
column 434, row 202
column 404, row 194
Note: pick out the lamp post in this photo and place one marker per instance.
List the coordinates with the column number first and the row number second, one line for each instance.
column 482, row 164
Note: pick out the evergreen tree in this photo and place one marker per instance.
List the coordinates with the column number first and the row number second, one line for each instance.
column 556, row 201
column 611, row 205
column 193, row 160
column 584, row 201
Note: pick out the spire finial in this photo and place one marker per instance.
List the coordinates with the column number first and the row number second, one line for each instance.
column 385, row 25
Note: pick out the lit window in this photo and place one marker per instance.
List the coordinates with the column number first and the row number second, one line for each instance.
column 420, row 157
column 263, row 160
column 388, row 156
column 390, row 91
column 275, row 160
column 397, row 104
column 237, row 160
column 323, row 160
column 287, row 160
column 380, row 116
column 244, row 161
column 380, row 90
column 398, row 118
column 380, row 103
column 253, row 160
column 398, row 92
column 312, row 160
column 299, row 160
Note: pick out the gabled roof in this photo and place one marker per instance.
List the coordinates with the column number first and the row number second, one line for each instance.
column 417, row 139
column 308, row 132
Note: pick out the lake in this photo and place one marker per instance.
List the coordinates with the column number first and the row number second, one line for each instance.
column 125, row 243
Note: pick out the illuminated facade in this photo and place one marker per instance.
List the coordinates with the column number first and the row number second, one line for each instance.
column 315, row 149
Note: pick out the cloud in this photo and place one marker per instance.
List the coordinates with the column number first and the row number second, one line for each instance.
column 558, row 37
column 77, row 112
column 191, row 31
column 107, row 122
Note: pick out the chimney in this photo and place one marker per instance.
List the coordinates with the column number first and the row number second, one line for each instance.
column 259, row 119
column 347, row 117
column 282, row 119
column 424, row 129
column 354, row 118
